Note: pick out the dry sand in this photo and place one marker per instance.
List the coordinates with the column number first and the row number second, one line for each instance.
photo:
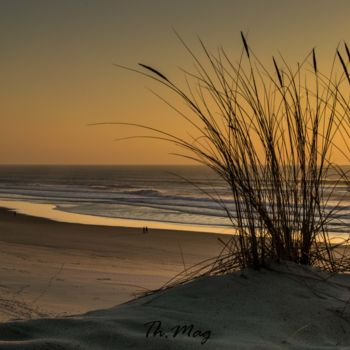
column 285, row 307
column 49, row 268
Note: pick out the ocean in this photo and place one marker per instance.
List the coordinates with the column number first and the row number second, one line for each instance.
column 163, row 194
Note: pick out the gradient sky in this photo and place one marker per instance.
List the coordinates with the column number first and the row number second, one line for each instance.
column 57, row 72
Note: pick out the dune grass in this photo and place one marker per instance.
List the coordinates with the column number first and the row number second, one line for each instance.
column 271, row 135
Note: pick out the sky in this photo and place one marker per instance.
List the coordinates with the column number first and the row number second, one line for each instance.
column 58, row 74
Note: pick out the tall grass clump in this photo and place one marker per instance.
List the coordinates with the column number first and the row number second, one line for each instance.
column 270, row 134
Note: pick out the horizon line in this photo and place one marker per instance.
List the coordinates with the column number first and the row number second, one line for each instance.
column 96, row 164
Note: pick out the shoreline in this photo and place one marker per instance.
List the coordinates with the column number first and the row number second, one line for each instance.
column 50, row 268
column 50, row 211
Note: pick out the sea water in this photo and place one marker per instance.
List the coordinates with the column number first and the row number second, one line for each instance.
column 183, row 195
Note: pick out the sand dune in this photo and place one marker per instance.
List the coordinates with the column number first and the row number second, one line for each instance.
column 284, row 308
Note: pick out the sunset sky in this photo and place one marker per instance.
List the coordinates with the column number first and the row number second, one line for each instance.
column 57, row 72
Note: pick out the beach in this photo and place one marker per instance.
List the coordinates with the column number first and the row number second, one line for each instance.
column 49, row 268
column 73, row 286
column 78, row 285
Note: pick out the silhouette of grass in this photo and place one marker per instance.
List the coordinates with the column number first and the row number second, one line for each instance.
column 271, row 137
